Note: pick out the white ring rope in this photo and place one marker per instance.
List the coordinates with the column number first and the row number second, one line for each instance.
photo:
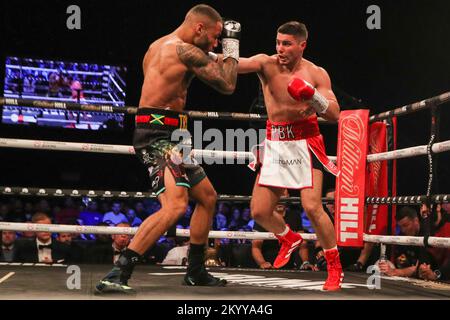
column 111, row 149
column 197, row 153
column 55, row 228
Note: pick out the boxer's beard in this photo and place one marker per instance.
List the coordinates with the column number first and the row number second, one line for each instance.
column 203, row 43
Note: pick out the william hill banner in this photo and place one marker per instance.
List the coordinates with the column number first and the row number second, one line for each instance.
column 351, row 182
column 377, row 184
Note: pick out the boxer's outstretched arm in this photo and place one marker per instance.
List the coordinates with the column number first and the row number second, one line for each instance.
column 252, row 64
column 221, row 77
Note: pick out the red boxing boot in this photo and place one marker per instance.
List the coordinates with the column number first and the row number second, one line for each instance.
column 289, row 243
column 334, row 268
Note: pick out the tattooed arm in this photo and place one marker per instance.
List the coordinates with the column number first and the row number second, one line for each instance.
column 221, row 77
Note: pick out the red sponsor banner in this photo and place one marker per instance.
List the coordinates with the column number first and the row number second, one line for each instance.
column 377, row 182
column 351, row 182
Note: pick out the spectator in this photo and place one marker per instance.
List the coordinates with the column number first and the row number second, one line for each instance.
column 178, row 255
column 236, row 221
column 140, row 210
column 102, row 239
column 29, row 84
column 247, row 220
column 69, row 214
column 90, row 216
column 212, row 258
column 75, row 250
column 440, row 216
column 64, row 237
column 120, row 241
column 54, row 84
column 153, row 207
column 224, row 208
column 109, row 253
column 223, row 251
column 8, row 248
column 412, row 261
column 42, row 249
column 132, row 219
column 27, row 235
column 115, row 216
column 220, row 222
column 440, row 228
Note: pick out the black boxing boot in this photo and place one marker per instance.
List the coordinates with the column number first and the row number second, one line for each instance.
column 117, row 279
column 196, row 274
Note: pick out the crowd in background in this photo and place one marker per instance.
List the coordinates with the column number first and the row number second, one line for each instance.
column 44, row 247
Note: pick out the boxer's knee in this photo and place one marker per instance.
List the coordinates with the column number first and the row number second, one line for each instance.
column 177, row 206
column 313, row 209
column 258, row 212
column 208, row 200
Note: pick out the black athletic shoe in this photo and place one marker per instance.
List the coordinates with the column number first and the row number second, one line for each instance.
column 112, row 283
column 203, row 279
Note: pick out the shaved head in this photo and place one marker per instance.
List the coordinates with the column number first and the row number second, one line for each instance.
column 203, row 11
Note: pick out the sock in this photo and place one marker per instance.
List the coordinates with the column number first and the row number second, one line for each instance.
column 196, row 258
column 285, row 232
column 126, row 262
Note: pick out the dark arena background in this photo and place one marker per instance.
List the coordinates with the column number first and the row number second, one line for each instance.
column 406, row 59
column 403, row 62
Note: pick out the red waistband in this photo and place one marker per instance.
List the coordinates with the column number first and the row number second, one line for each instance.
column 295, row 130
column 157, row 119
column 161, row 119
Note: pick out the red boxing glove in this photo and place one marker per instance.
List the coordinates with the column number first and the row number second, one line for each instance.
column 301, row 90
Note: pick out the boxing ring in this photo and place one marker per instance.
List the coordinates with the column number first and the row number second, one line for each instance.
column 38, row 281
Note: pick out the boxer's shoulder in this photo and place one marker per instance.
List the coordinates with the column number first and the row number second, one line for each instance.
column 262, row 57
column 312, row 67
column 272, row 59
column 269, row 62
column 191, row 55
column 316, row 72
column 163, row 46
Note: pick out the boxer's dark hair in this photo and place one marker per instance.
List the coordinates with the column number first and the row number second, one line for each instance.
column 294, row 28
column 204, row 10
column 406, row 212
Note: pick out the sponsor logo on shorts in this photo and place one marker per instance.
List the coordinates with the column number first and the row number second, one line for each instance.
column 155, row 182
column 289, row 162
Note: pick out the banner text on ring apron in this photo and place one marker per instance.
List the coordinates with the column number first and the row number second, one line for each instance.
column 351, row 183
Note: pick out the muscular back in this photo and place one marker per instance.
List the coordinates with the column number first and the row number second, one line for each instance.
column 166, row 78
column 169, row 66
